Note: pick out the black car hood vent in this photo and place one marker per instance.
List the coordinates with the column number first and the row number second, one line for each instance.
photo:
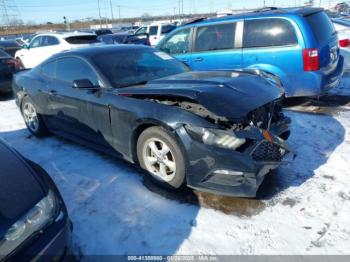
column 228, row 94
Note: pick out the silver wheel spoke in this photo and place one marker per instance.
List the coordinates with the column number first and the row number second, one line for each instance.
column 170, row 164
column 165, row 149
column 162, row 169
column 153, row 148
column 152, row 160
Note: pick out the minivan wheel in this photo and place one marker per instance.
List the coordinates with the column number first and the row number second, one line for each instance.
column 32, row 119
column 160, row 155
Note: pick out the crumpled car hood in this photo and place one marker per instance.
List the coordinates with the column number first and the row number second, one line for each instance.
column 226, row 93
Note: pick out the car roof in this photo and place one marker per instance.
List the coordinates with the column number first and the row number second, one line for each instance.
column 8, row 42
column 100, row 49
column 65, row 34
column 264, row 12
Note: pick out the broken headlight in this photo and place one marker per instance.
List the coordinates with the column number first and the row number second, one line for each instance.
column 35, row 220
column 216, row 137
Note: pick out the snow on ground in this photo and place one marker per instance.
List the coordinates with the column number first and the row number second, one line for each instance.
column 303, row 207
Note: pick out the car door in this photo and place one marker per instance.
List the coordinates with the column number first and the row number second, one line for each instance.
column 70, row 108
column 30, row 55
column 154, row 33
column 179, row 45
column 217, row 47
column 50, row 46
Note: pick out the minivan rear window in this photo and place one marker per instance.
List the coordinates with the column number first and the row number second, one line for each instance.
column 82, row 39
column 321, row 25
column 268, row 32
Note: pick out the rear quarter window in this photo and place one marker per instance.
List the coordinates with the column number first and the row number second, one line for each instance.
column 268, row 32
column 321, row 25
column 82, row 39
column 49, row 69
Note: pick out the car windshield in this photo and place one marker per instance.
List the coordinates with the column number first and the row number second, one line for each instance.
column 3, row 53
column 137, row 66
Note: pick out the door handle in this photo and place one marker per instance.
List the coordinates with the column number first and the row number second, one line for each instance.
column 198, row 59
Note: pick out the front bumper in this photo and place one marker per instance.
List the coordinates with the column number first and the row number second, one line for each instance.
column 234, row 172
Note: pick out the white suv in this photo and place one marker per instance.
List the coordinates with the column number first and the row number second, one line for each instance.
column 156, row 32
column 44, row 45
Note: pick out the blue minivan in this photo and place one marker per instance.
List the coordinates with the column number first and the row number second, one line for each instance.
column 298, row 45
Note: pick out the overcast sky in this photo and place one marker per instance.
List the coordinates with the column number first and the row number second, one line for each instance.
column 48, row 10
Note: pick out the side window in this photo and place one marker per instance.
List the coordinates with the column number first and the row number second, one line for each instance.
column 71, row 68
column 49, row 69
column 167, row 29
column 215, row 37
column 51, row 40
column 36, row 42
column 268, row 32
column 153, row 30
column 142, row 30
column 178, row 43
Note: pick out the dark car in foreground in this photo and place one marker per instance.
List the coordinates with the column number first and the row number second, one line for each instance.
column 10, row 46
column 8, row 66
column 33, row 218
column 125, row 38
column 215, row 131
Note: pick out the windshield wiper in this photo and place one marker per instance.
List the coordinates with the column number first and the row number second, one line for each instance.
column 133, row 84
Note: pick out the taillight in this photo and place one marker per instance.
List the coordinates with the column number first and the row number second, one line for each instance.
column 344, row 42
column 12, row 62
column 311, row 59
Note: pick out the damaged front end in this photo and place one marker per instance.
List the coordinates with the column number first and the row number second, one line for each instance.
column 244, row 133
column 233, row 158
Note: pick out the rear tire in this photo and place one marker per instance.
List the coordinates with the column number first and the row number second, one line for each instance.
column 160, row 155
column 32, row 119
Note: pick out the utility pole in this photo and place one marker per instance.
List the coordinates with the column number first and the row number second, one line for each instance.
column 119, row 12
column 110, row 2
column 99, row 12
column 9, row 13
column 106, row 16
column 182, row 7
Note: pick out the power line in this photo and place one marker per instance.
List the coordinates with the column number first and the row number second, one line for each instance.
column 9, row 13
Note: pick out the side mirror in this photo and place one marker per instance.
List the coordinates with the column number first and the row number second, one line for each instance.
column 83, row 84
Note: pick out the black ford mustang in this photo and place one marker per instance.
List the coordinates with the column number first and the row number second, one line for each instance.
column 215, row 131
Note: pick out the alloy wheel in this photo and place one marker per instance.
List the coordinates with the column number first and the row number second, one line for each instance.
column 31, row 117
column 159, row 159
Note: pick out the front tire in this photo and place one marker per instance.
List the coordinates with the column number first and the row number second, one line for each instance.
column 161, row 156
column 32, row 118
